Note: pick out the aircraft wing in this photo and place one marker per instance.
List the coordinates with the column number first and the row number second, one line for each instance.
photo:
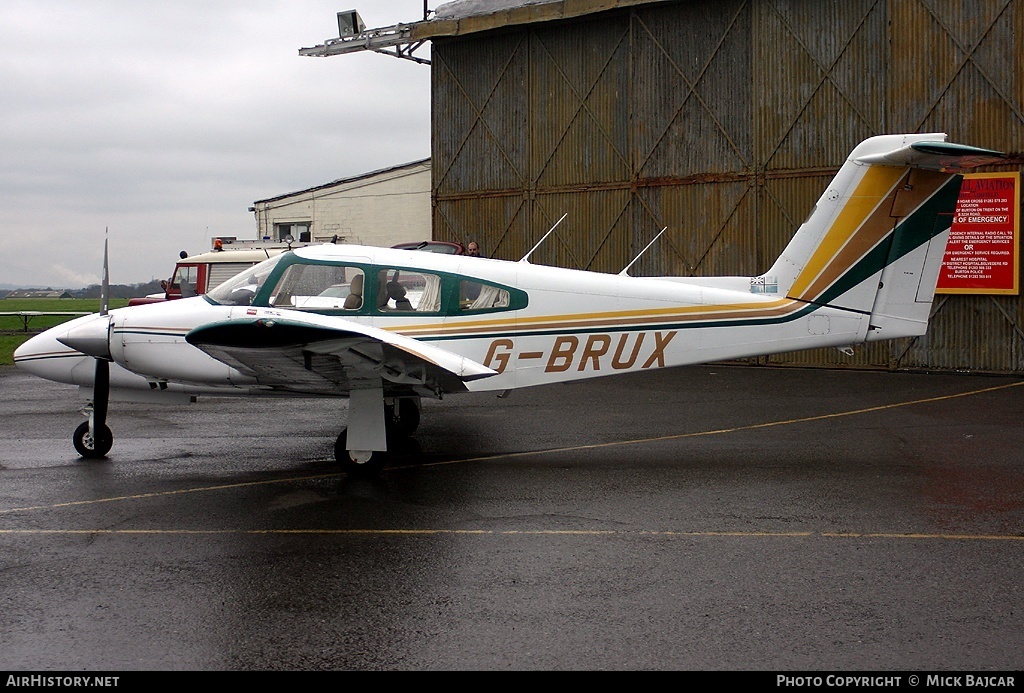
column 316, row 354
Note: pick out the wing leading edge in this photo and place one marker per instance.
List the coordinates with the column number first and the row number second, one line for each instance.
column 317, row 354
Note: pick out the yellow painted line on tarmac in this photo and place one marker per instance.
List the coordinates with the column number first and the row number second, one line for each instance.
column 513, row 455
column 734, row 429
column 158, row 494
column 915, row 535
column 672, row 534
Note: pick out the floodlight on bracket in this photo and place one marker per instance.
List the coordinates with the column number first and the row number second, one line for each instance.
column 350, row 23
column 353, row 37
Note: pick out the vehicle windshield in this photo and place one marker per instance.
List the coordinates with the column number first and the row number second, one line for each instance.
column 240, row 289
column 431, row 247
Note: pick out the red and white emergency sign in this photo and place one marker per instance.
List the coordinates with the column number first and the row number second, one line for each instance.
column 984, row 241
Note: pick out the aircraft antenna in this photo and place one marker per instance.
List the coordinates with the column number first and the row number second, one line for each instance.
column 524, row 258
column 625, row 270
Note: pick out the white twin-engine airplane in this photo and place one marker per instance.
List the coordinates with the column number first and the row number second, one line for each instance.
column 385, row 327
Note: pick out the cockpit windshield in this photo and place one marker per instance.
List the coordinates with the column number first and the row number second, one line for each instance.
column 240, row 289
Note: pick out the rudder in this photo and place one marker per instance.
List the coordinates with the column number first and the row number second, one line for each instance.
column 906, row 286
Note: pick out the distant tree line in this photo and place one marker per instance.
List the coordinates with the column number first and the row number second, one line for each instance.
column 121, row 290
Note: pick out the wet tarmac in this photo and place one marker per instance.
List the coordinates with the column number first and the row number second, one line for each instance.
column 707, row 518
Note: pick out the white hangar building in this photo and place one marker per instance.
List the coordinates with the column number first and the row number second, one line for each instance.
column 379, row 208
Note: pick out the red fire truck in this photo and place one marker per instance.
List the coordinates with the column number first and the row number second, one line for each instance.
column 196, row 274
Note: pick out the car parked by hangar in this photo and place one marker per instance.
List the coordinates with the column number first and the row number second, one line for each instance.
column 445, row 247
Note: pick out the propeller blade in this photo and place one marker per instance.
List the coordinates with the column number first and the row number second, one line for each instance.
column 93, row 438
column 105, row 281
column 101, row 383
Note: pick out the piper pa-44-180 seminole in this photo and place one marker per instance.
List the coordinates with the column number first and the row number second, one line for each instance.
column 385, row 327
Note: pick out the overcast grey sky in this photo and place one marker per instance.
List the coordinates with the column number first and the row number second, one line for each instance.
column 164, row 121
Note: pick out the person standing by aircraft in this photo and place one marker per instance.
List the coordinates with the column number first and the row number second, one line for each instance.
column 471, row 289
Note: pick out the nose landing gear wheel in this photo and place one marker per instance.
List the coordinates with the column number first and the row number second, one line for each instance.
column 92, row 446
column 358, row 463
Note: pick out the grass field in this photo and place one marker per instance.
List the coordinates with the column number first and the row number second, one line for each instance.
column 12, row 327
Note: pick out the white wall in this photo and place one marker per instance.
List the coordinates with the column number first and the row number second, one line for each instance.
column 381, row 208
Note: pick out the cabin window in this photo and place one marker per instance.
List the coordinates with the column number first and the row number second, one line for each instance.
column 319, row 287
column 475, row 296
column 408, row 291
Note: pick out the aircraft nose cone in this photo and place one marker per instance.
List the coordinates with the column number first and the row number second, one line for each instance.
column 44, row 357
column 90, row 337
column 34, row 349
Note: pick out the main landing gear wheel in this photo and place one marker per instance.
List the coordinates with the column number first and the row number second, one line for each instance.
column 403, row 418
column 364, row 463
column 93, row 446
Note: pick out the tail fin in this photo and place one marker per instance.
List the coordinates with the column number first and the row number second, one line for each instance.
column 876, row 238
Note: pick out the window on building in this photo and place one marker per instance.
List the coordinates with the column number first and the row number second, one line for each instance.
column 298, row 230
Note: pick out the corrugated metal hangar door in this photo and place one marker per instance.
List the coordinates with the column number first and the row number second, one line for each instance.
column 722, row 120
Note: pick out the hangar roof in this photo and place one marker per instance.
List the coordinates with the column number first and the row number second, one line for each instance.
column 459, row 18
column 462, row 17
column 411, row 167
